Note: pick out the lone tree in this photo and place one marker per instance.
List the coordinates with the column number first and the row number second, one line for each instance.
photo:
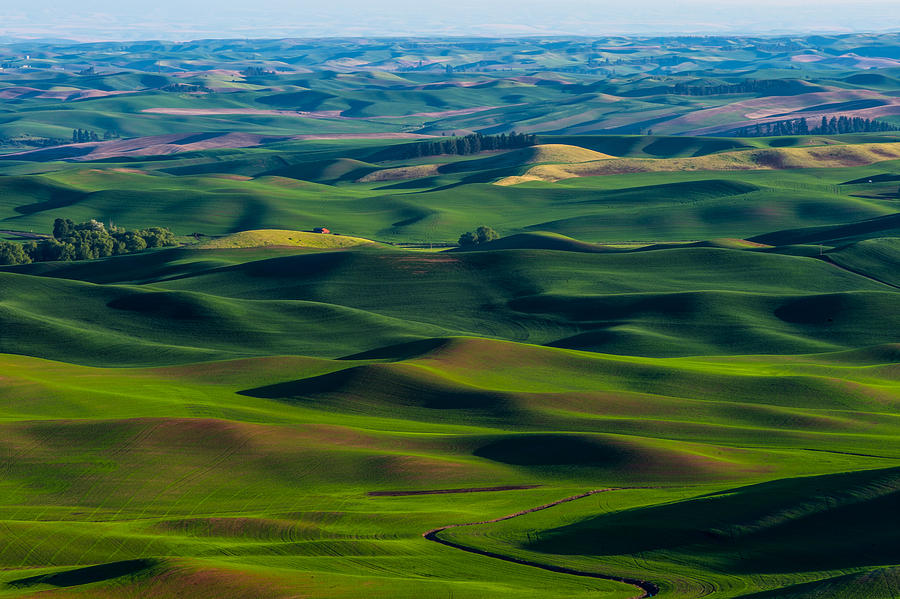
column 481, row 235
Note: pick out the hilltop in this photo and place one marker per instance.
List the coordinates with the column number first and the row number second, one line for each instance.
column 828, row 156
column 665, row 364
column 282, row 238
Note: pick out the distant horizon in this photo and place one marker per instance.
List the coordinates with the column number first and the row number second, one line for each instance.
column 13, row 39
column 189, row 20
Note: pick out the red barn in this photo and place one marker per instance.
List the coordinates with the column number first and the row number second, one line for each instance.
column 322, row 230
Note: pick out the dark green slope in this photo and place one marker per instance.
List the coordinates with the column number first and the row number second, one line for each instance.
column 301, row 185
column 541, row 241
column 883, row 226
column 590, row 301
column 879, row 583
column 91, row 324
column 712, row 415
column 213, row 303
column 645, row 397
column 875, row 258
column 803, row 524
column 717, row 322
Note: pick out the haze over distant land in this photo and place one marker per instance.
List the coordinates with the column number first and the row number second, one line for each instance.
column 194, row 19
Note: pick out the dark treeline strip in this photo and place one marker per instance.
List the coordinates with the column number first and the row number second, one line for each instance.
column 832, row 126
column 750, row 86
column 772, row 87
column 185, row 88
column 84, row 241
column 462, row 146
column 86, row 135
column 254, row 71
column 32, row 141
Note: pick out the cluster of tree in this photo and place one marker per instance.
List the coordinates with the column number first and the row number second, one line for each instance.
column 596, row 59
column 256, row 72
column 30, row 141
column 832, row 126
column 772, row 87
column 84, row 241
column 585, row 69
column 855, row 124
column 480, row 235
column 654, row 60
column 184, row 88
column 470, row 144
column 85, row 135
column 481, row 65
column 778, row 46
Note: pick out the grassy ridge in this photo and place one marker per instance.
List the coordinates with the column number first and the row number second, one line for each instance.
column 236, row 449
column 281, row 237
column 740, row 392
column 304, row 184
column 702, row 327
column 197, row 303
column 874, row 258
column 743, row 531
column 778, row 158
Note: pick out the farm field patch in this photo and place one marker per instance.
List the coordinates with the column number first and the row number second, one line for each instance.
column 451, row 318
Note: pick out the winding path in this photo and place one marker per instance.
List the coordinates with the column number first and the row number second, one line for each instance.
column 648, row 589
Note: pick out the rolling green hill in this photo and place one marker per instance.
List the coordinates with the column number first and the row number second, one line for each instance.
column 710, row 356
column 561, row 88
column 675, row 373
column 281, row 237
column 420, row 200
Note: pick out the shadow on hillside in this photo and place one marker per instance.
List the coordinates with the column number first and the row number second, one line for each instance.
column 79, row 576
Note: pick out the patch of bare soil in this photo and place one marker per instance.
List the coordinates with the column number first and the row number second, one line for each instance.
column 11, row 93
column 155, row 145
column 160, row 145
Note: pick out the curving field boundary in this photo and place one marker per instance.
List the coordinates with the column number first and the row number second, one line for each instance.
column 648, row 589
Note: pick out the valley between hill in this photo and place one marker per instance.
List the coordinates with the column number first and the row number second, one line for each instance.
column 705, row 327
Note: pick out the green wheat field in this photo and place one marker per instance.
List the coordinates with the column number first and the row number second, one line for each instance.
column 675, row 371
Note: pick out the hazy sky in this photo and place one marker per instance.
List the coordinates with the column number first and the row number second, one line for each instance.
column 192, row 19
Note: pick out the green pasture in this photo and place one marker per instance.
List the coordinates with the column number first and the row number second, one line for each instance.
column 268, row 462
column 244, row 372
column 182, row 305
column 301, row 185
column 209, row 420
